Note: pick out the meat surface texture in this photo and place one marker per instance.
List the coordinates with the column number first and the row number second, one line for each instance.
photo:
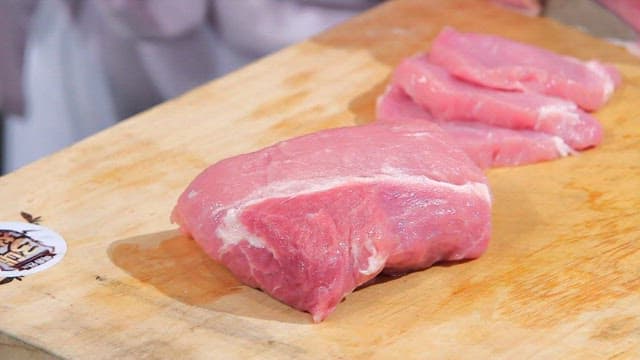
column 309, row 219
column 448, row 98
column 487, row 145
column 500, row 63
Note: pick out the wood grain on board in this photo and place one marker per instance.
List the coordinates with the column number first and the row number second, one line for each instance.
column 561, row 278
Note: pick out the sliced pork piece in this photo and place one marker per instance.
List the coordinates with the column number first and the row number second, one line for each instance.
column 492, row 146
column 448, row 98
column 309, row 219
column 500, row 63
column 395, row 105
column 488, row 146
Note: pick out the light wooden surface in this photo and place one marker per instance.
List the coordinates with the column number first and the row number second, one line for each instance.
column 561, row 278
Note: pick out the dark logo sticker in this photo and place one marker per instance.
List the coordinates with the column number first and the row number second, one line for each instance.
column 28, row 248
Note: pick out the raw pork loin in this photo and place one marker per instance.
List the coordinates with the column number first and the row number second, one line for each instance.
column 488, row 146
column 310, row 219
column 500, row 63
column 448, row 98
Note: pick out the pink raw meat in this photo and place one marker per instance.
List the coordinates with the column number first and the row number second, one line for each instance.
column 488, row 146
column 310, row 219
column 448, row 98
column 526, row 7
column 500, row 63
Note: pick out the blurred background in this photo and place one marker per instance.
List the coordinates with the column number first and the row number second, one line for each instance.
column 69, row 68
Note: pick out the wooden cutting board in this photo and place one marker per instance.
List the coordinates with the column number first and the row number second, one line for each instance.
column 561, row 278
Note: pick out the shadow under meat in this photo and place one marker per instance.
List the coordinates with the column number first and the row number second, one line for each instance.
column 176, row 266
column 384, row 277
column 363, row 106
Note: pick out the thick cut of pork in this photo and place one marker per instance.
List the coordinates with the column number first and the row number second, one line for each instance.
column 310, row 219
column 487, row 145
column 500, row 63
column 448, row 98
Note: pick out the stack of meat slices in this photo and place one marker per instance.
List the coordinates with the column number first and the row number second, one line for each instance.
column 504, row 102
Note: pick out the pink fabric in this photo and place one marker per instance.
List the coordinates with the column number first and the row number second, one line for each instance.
column 628, row 10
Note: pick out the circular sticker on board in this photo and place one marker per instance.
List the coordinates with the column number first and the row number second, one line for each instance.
column 28, row 248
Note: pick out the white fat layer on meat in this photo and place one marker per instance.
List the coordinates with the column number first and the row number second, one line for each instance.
column 231, row 231
column 599, row 70
column 380, row 98
column 565, row 109
column 562, row 147
column 376, row 263
column 355, row 251
column 418, row 134
column 376, row 260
